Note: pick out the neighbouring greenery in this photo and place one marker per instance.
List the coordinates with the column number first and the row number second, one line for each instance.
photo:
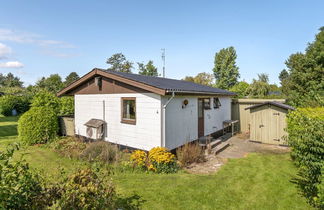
column 66, row 105
column 259, row 88
column 190, row 153
column 101, row 151
column 304, row 84
column 10, row 80
column 202, row 78
column 306, row 138
column 73, row 76
column 86, row 190
column 258, row 181
column 70, row 147
column 158, row 159
column 118, row 62
column 240, row 89
column 225, row 70
column 20, row 188
column 53, row 83
column 23, row 188
column 8, row 103
column 46, row 99
column 147, row 69
column 38, row 125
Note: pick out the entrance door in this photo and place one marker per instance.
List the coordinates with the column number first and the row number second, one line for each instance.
column 200, row 117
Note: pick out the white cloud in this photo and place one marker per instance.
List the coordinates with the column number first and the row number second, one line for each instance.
column 11, row 64
column 4, row 51
column 24, row 37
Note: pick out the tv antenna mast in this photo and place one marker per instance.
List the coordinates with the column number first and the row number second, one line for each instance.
column 163, row 60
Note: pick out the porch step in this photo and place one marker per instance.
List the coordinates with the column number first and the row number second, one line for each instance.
column 212, row 143
column 221, row 147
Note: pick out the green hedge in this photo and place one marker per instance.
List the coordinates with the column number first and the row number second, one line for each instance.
column 11, row 102
column 38, row 125
column 66, row 105
column 306, row 138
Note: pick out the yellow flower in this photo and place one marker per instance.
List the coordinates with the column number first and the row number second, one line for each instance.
column 139, row 157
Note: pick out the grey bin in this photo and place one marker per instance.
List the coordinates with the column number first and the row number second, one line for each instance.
column 67, row 125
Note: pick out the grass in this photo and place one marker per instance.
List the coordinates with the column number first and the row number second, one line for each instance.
column 259, row 181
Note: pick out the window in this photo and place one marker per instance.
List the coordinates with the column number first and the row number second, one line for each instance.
column 206, row 103
column 217, row 103
column 128, row 110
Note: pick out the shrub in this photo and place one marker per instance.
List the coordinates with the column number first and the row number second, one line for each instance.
column 306, row 138
column 46, row 99
column 320, row 189
column 86, row 190
column 139, row 158
column 101, row 151
column 70, row 147
column 20, row 188
column 10, row 102
column 38, row 125
column 190, row 153
column 162, row 161
column 66, row 106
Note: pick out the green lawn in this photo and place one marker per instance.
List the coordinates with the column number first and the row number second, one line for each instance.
column 259, row 181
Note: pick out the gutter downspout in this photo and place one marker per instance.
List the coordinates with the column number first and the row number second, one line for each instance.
column 163, row 119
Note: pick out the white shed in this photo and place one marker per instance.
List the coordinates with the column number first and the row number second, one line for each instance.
column 144, row 112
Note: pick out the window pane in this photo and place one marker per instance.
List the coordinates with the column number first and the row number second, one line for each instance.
column 129, row 109
column 207, row 103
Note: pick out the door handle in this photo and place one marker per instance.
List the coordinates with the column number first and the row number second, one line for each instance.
column 260, row 126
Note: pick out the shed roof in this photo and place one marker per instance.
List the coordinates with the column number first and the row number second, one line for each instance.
column 274, row 103
column 94, row 123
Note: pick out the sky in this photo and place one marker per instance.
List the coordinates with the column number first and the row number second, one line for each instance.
column 39, row 38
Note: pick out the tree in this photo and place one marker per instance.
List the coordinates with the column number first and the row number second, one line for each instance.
column 73, row 76
column 283, row 75
column 259, row 88
column 119, row 63
column 304, row 84
column 225, row 70
column 149, row 69
column 263, row 77
column 53, row 83
column 202, row 78
column 189, row 79
column 240, row 89
column 10, row 80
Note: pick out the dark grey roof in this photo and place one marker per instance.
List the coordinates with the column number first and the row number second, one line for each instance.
column 274, row 103
column 171, row 85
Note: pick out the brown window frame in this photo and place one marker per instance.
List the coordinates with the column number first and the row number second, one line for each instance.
column 209, row 106
column 125, row 120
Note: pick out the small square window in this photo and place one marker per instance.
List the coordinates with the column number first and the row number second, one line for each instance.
column 217, row 103
column 206, row 103
column 128, row 110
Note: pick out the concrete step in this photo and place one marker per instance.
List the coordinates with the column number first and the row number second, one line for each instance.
column 220, row 147
column 212, row 144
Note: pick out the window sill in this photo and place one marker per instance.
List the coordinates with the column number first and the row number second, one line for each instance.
column 127, row 121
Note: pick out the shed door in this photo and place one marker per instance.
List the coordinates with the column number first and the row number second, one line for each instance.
column 277, row 126
column 200, row 117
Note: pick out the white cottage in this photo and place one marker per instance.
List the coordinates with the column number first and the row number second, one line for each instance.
column 144, row 112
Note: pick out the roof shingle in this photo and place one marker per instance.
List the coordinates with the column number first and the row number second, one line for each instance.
column 171, row 85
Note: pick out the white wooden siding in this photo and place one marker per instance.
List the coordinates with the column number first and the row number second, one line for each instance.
column 214, row 117
column 146, row 134
column 182, row 123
